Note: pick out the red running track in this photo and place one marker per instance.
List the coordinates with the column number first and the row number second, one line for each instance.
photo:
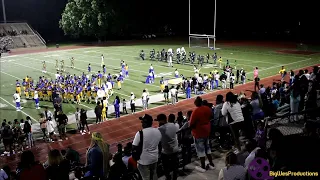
column 122, row 130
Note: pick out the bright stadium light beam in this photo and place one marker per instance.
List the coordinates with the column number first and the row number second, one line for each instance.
column 4, row 12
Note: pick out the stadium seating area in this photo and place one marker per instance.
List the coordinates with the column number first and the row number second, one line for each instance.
column 22, row 34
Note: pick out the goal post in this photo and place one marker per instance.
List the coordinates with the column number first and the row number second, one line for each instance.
column 202, row 41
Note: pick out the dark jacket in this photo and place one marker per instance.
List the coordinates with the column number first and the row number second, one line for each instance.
column 98, row 110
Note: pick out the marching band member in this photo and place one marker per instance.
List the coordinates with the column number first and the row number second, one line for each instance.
column 104, row 109
column 102, row 60
column 17, row 99
column 36, row 99
column 170, row 54
column 127, row 70
column 162, row 84
column 18, row 87
column 176, row 73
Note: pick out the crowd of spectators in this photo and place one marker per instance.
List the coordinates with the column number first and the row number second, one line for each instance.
column 163, row 150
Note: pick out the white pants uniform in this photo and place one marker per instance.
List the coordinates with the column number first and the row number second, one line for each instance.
column 170, row 61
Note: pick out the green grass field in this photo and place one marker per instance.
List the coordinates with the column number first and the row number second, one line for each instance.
column 19, row 66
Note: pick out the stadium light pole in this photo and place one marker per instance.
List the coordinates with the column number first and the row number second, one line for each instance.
column 214, row 24
column 4, row 12
column 189, row 22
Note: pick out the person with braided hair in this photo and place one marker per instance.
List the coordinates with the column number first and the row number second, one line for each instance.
column 98, row 157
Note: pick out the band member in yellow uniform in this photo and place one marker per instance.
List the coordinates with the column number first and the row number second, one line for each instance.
column 49, row 92
column 72, row 63
column 162, row 84
column 40, row 93
column 104, row 109
column 99, row 79
column 119, row 82
column 24, row 86
column 18, row 87
column 220, row 62
column 27, row 93
column 283, row 73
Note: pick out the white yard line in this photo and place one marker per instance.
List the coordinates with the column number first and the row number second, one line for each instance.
column 18, row 111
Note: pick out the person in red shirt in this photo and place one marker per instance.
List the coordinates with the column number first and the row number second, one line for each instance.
column 29, row 169
column 200, row 126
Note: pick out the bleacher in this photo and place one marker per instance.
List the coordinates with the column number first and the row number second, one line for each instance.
column 22, row 34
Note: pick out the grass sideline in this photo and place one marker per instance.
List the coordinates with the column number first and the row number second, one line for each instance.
column 19, row 66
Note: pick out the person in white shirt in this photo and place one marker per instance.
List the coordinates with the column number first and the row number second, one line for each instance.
column 100, row 94
column 183, row 50
column 77, row 116
column 144, row 98
column 173, row 92
column 170, row 57
column 36, row 99
column 110, row 90
column 234, row 117
column 216, row 78
column 17, row 99
column 132, row 103
column 57, row 75
column 252, row 148
column 178, row 51
column 102, row 60
column 232, row 170
column 50, row 129
column 176, row 73
column 147, row 164
column 148, row 97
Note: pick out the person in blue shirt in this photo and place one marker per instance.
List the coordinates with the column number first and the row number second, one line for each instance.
column 116, row 105
column 188, row 91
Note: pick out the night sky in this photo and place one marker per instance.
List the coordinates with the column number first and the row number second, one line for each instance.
column 235, row 19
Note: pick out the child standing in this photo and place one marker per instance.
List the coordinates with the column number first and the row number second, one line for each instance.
column 124, row 107
column 260, row 136
column 77, row 116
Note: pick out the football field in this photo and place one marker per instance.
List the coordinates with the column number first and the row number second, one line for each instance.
column 17, row 67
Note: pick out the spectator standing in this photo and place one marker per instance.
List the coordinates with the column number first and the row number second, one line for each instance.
column 232, row 110
column 50, row 129
column 173, row 92
column 166, row 94
column 132, row 103
column 7, row 138
column 84, row 123
column 147, row 164
column 169, row 144
column 295, row 97
column 98, row 112
column 62, row 122
column 144, row 98
column 28, row 132
column 200, row 125
column 77, row 116
column 232, row 171
column 43, row 126
column 98, row 157
column 256, row 83
column 256, row 104
column 118, row 171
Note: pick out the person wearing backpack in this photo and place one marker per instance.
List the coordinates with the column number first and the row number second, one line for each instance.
column 145, row 148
